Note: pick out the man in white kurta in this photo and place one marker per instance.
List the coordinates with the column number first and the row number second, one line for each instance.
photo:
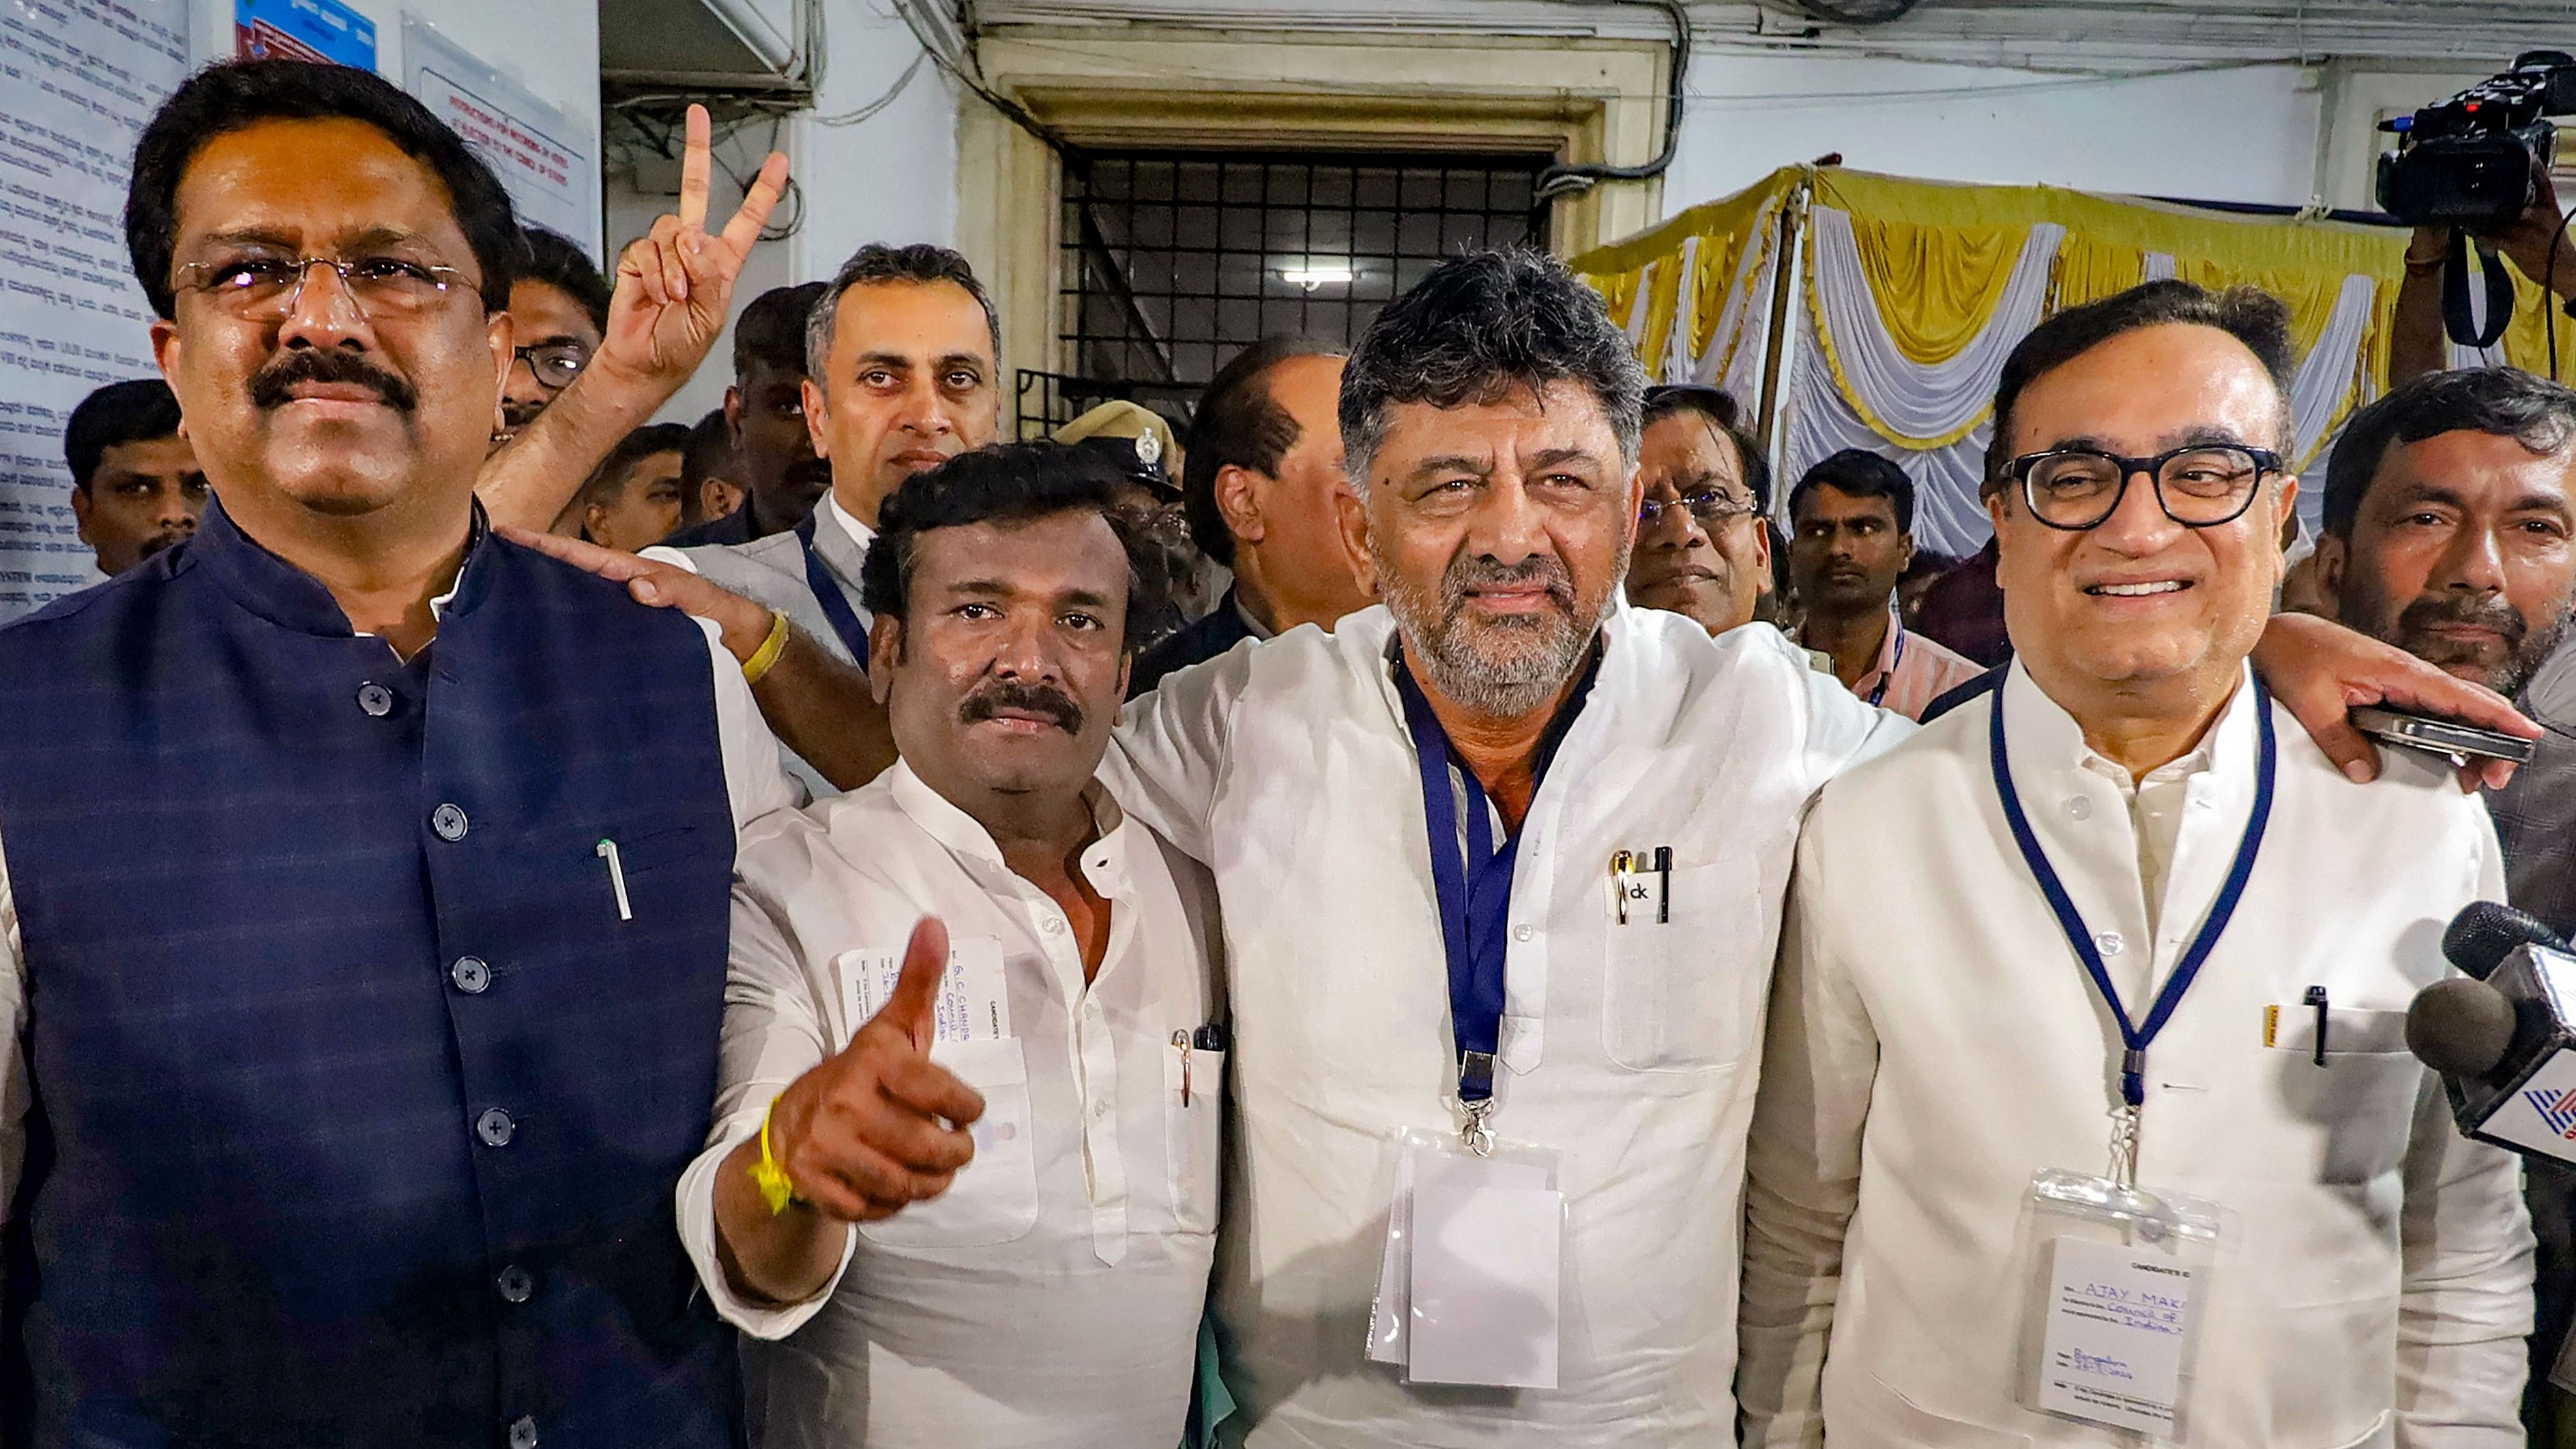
column 1627, row 1050
column 1049, row 1295
column 1935, row 1041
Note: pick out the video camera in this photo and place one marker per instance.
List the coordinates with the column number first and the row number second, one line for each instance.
column 2468, row 161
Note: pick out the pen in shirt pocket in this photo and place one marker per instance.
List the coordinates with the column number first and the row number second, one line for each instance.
column 1208, row 1038
column 1627, row 888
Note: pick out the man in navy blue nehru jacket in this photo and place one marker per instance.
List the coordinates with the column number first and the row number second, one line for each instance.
column 362, row 940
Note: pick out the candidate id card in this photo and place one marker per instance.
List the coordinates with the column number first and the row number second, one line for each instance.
column 1471, row 1283
column 2118, row 1278
column 974, row 1000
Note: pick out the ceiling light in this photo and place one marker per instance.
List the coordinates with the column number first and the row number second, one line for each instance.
column 1316, row 274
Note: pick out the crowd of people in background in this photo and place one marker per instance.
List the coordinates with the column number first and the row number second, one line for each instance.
column 526, row 924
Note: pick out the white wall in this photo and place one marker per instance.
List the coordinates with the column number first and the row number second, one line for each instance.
column 890, row 176
column 549, row 46
column 2237, row 134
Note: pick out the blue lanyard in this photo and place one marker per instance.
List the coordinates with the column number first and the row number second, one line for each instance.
column 827, row 592
column 2136, row 1038
column 1878, row 695
column 1474, row 887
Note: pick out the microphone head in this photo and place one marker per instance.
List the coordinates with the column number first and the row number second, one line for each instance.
column 2460, row 1027
column 2485, row 932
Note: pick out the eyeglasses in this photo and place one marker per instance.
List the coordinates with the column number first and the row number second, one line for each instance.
column 265, row 289
column 1713, row 510
column 2198, row 487
column 554, row 364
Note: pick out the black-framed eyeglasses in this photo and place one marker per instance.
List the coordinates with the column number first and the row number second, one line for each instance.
column 554, row 364
column 2201, row 486
column 266, row 288
column 1713, row 509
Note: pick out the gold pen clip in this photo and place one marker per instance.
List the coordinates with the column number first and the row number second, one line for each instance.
column 1181, row 1039
column 1622, row 865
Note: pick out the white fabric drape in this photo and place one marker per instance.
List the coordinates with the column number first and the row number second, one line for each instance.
column 2325, row 374
column 1921, row 401
column 1948, row 517
column 1913, row 399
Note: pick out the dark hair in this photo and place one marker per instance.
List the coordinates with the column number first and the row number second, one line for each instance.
column 119, row 413
column 771, row 330
column 1237, row 424
column 553, row 258
column 920, row 263
column 1862, row 474
column 1002, row 483
column 709, row 452
column 2249, row 314
column 236, row 95
column 610, row 476
column 2503, row 402
column 1480, row 326
column 1719, row 409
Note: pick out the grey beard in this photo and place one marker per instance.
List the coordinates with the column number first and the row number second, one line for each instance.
column 1502, row 684
column 1503, row 688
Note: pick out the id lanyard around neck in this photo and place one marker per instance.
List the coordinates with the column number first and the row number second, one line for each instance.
column 827, row 592
column 1474, row 888
column 1878, row 696
column 2136, row 1037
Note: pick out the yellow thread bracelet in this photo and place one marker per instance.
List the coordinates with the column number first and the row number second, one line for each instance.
column 770, row 648
column 766, row 1174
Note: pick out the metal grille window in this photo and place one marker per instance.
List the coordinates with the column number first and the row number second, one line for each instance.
column 1174, row 261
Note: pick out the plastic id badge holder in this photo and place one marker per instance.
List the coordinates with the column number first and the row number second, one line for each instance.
column 1470, row 1289
column 2116, row 1281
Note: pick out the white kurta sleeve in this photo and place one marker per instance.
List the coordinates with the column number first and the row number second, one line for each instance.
column 15, row 1090
column 1170, row 749
column 2465, row 1247
column 752, row 778
column 774, row 1032
column 1819, row 1062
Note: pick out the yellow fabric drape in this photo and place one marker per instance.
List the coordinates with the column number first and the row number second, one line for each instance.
column 1722, row 229
column 1935, row 287
column 2090, row 269
column 1938, row 256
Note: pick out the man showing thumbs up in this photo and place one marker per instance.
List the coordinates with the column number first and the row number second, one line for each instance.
column 962, row 1186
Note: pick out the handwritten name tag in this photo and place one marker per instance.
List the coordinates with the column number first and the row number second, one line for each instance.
column 2117, row 1323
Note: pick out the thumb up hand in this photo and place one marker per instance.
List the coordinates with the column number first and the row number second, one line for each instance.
column 879, row 1126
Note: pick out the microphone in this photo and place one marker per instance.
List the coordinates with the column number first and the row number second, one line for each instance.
column 2485, row 932
column 2501, row 1033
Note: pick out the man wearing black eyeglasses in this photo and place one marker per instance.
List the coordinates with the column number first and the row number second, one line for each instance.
column 558, row 313
column 2114, row 944
column 1703, row 543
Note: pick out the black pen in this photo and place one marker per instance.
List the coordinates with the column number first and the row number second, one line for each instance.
column 2316, row 997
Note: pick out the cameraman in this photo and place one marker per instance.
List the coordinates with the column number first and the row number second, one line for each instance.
column 2416, row 338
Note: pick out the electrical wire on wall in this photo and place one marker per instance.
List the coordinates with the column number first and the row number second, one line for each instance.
column 1573, row 180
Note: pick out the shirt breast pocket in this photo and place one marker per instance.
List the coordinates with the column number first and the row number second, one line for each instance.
column 1193, row 1136
column 2363, row 1096
column 994, row 1198
column 1681, row 994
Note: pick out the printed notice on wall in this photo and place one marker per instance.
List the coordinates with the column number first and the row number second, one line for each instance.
column 545, row 158
column 78, row 78
column 309, row 30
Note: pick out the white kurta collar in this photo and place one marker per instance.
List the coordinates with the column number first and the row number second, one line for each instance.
column 859, row 533
column 1104, row 860
column 2046, row 737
